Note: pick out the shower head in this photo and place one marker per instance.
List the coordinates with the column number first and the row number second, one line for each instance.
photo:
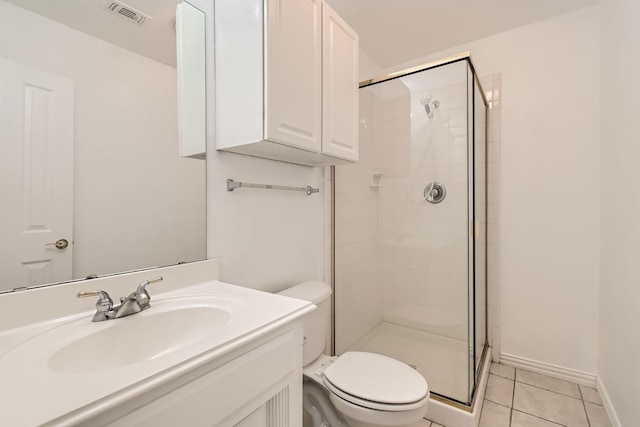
column 426, row 99
column 430, row 105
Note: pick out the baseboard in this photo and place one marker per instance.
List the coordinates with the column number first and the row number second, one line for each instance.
column 560, row 372
column 606, row 401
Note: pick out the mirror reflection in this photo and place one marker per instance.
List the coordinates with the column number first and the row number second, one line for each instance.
column 92, row 179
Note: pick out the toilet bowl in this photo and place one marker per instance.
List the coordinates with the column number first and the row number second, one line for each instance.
column 356, row 389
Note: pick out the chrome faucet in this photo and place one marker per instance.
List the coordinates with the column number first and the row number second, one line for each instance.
column 137, row 301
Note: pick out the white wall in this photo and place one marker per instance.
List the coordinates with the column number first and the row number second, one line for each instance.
column 130, row 210
column 265, row 239
column 620, row 209
column 549, row 195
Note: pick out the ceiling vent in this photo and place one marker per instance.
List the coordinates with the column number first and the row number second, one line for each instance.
column 127, row 11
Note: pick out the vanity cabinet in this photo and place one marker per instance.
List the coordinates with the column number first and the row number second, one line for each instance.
column 286, row 81
column 258, row 385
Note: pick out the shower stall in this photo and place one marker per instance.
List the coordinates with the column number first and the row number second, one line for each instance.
column 410, row 227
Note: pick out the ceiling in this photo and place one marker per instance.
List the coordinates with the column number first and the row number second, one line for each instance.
column 395, row 32
column 391, row 32
column 156, row 38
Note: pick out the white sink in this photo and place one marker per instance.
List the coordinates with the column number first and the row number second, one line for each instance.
column 156, row 332
column 169, row 326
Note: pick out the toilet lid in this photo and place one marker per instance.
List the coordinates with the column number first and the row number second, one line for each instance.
column 376, row 378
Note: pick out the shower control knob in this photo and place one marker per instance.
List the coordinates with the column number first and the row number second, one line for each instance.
column 434, row 192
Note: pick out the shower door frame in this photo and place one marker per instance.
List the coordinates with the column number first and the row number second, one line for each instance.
column 477, row 369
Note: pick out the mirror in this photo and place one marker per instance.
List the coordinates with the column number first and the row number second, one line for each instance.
column 93, row 182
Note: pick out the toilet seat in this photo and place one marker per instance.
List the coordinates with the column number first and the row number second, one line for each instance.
column 377, row 382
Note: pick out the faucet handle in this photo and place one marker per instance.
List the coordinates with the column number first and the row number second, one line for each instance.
column 84, row 294
column 102, row 295
column 142, row 286
column 104, row 305
column 141, row 295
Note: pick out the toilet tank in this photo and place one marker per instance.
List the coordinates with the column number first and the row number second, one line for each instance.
column 316, row 323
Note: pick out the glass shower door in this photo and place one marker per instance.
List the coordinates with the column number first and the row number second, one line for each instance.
column 404, row 229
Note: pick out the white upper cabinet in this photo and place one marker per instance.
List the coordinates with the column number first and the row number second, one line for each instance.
column 286, row 81
column 340, row 94
column 294, row 73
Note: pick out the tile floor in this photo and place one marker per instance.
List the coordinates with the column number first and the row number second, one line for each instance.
column 520, row 398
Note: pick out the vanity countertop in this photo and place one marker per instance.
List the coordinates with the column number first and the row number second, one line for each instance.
column 65, row 370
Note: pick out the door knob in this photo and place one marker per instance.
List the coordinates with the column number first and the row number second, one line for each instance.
column 60, row 244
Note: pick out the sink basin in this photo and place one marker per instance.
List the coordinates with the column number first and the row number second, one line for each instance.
column 150, row 334
column 170, row 326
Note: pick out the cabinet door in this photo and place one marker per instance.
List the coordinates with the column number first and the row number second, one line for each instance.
column 340, row 87
column 293, row 73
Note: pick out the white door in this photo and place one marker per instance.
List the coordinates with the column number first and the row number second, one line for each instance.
column 36, row 185
column 340, row 87
column 293, row 54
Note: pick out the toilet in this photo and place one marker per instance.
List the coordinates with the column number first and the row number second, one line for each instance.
column 356, row 389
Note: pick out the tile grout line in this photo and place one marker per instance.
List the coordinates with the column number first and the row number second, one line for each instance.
column 541, row 418
column 502, row 376
column 513, row 397
column 496, row 403
column 584, row 406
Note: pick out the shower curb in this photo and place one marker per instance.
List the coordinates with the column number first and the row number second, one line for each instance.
column 448, row 415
